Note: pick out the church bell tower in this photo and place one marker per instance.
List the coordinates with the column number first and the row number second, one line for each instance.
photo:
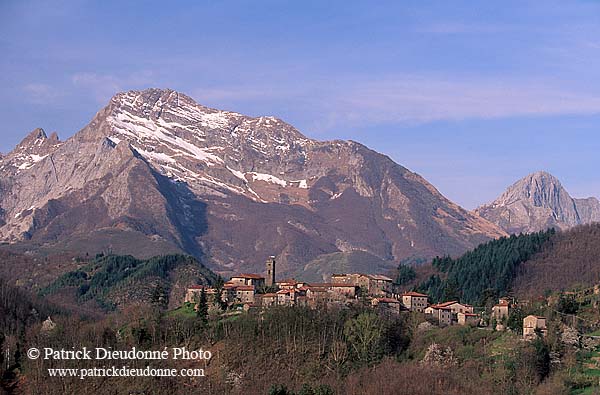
column 270, row 280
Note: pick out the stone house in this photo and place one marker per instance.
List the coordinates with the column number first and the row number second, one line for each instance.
column 286, row 297
column 531, row 324
column 255, row 280
column 317, row 296
column 192, row 294
column 266, row 300
column 467, row 319
column 501, row 311
column 379, row 284
column 290, row 297
column 235, row 293
column 287, row 284
column 290, row 283
column 345, row 290
column 244, row 294
column 387, row 305
column 373, row 284
column 441, row 314
column 457, row 307
column 414, row 301
column 336, row 290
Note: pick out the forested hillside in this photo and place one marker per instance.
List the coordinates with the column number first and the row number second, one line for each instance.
column 571, row 260
column 490, row 268
column 115, row 280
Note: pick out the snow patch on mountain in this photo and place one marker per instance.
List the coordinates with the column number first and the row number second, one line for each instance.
column 238, row 174
column 142, row 128
column 267, row 178
column 30, row 161
column 155, row 156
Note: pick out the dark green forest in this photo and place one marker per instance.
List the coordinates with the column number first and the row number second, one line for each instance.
column 487, row 271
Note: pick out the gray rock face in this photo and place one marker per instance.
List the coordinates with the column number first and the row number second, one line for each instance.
column 155, row 170
column 538, row 202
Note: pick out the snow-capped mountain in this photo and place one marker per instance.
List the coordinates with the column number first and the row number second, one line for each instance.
column 155, row 171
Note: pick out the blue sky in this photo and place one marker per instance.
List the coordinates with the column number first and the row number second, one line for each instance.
column 471, row 95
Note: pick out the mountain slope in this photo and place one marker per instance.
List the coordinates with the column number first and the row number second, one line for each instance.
column 158, row 168
column 113, row 281
column 571, row 260
column 537, row 202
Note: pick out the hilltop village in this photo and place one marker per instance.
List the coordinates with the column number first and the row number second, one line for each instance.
column 248, row 291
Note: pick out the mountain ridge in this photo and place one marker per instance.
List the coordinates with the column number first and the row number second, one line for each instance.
column 224, row 187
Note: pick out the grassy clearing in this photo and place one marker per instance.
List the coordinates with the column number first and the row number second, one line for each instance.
column 187, row 310
column 503, row 344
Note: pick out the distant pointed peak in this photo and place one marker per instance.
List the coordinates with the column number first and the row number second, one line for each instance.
column 36, row 143
column 536, row 180
column 540, row 177
column 54, row 137
column 36, row 135
column 542, row 174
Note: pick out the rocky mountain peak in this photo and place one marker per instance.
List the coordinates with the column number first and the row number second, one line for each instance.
column 36, row 137
column 536, row 202
column 54, row 137
column 154, row 168
column 36, row 140
column 178, row 112
column 32, row 149
column 541, row 188
column 210, row 149
column 542, row 179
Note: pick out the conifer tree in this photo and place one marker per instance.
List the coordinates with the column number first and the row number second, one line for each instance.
column 203, row 306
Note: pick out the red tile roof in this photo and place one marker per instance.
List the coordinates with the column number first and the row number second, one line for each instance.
column 440, row 308
column 446, row 304
column 249, row 275
column 412, row 293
